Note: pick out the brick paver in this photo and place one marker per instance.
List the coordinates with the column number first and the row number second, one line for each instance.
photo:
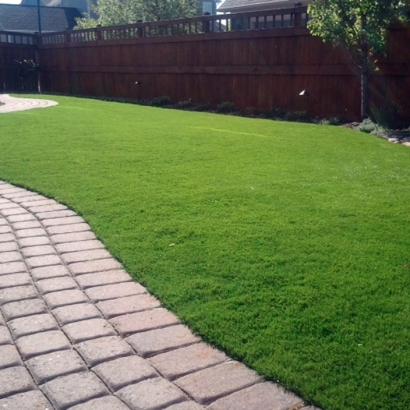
column 56, row 284
column 15, row 380
column 42, row 343
column 68, row 391
column 115, row 291
column 129, row 304
column 162, row 340
column 97, row 351
column 32, row 324
column 124, row 371
column 90, row 280
column 210, row 384
column 76, row 313
column 259, row 396
column 142, row 321
column 88, row 329
column 16, row 293
column 29, row 400
column 151, row 394
column 23, row 308
column 77, row 333
column 9, row 357
column 15, row 279
column 187, row 360
column 50, row 366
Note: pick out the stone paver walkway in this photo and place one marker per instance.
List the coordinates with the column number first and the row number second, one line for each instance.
column 12, row 104
column 76, row 332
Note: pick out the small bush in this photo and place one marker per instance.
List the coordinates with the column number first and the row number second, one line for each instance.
column 225, row 107
column 184, row 105
column 387, row 116
column 298, row 116
column 161, row 101
column 367, row 126
column 250, row 112
column 274, row 113
column 203, row 107
column 330, row 121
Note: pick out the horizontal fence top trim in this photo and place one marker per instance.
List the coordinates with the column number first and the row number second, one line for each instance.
column 270, row 19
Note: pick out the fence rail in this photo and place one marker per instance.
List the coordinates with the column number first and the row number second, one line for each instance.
column 258, row 20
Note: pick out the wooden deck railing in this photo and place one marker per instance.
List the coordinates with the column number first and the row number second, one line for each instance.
column 17, row 38
column 258, row 20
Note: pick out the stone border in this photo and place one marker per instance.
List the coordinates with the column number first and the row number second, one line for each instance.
column 76, row 332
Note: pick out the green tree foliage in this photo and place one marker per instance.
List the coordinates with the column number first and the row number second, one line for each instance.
column 361, row 27
column 115, row 12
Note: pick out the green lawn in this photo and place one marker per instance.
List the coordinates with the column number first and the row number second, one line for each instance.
column 285, row 244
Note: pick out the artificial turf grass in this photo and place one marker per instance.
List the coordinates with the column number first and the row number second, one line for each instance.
column 285, row 244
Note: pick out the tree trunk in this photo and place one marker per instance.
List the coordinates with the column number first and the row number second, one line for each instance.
column 364, row 91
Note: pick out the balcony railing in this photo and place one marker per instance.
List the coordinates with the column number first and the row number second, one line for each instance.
column 258, row 20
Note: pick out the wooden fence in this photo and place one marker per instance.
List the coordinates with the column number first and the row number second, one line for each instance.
column 263, row 60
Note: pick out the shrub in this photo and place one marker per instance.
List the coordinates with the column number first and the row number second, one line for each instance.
column 367, row 126
column 330, row 121
column 161, row 101
column 250, row 112
column 274, row 113
column 225, row 107
column 387, row 116
column 183, row 105
column 203, row 107
column 298, row 116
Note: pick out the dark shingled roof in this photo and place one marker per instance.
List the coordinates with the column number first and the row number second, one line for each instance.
column 245, row 5
column 24, row 18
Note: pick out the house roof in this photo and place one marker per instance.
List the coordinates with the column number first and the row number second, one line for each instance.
column 24, row 18
column 245, row 5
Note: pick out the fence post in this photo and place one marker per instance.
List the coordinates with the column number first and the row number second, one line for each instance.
column 140, row 30
column 98, row 32
column 206, row 24
column 67, row 36
column 297, row 16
